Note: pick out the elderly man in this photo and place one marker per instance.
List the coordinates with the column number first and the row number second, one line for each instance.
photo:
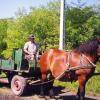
column 31, row 49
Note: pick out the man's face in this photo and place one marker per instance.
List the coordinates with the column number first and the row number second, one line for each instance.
column 32, row 39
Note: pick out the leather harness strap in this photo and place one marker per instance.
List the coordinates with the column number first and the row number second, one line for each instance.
column 68, row 68
column 68, row 61
column 93, row 65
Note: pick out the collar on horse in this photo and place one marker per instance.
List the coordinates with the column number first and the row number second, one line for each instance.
column 81, row 66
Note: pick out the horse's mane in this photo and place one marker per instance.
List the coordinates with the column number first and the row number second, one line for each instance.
column 90, row 47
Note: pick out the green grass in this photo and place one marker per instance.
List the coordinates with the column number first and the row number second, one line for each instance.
column 92, row 86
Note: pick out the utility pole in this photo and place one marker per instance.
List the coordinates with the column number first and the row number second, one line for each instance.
column 62, row 25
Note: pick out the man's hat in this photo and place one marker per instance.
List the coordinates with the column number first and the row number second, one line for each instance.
column 31, row 36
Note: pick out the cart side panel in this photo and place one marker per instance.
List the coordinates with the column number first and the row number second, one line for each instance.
column 7, row 64
column 17, row 58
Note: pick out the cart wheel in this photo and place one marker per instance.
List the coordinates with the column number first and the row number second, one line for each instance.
column 18, row 85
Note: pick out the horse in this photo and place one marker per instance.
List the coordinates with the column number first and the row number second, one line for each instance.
column 75, row 65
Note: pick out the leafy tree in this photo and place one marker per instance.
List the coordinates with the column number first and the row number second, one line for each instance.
column 79, row 26
column 3, row 34
column 45, row 26
column 15, row 37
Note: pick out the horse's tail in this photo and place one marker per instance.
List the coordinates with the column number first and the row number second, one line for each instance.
column 45, row 62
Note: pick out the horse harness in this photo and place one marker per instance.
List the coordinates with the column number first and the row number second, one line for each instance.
column 69, row 68
column 81, row 66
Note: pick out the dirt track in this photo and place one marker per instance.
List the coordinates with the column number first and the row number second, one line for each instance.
column 6, row 94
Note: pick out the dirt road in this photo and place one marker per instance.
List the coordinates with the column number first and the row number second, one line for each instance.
column 6, row 94
column 32, row 94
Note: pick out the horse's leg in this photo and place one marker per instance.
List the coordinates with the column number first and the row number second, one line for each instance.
column 51, row 93
column 41, row 90
column 81, row 90
column 81, row 93
column 49, row 85
column 78, row 94
column 42, row 85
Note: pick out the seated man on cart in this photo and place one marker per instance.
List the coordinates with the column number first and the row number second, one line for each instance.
column 31, row 50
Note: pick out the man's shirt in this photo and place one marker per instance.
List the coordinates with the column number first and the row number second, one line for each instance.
column 31, row 47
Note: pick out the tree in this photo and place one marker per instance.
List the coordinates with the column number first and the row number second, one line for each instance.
column 45, row 26
column 79, row 26
column 3, row 34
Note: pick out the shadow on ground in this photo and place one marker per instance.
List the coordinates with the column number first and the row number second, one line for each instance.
column 58, row 93
column 65, row 94
column 35, row 90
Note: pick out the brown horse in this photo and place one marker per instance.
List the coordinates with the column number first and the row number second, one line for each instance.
column 83, row 58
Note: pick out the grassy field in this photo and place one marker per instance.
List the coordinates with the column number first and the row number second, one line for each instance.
column 92, row 87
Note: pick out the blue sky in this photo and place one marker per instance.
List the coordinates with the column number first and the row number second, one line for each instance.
column 9, row 7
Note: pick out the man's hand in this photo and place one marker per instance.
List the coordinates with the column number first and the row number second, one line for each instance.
column 30, row 53
column 27, row 52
